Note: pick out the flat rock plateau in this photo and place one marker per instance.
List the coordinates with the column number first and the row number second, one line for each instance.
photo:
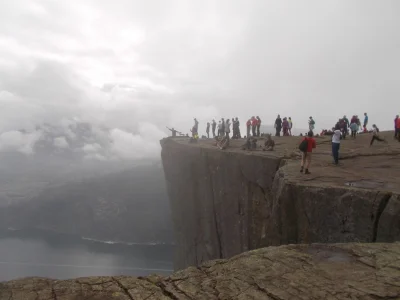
column 319, row 271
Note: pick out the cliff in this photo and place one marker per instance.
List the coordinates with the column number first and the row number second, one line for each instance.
column 319, row 271
column 225, row 202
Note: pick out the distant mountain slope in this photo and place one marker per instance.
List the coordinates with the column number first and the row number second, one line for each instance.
column 129, row 206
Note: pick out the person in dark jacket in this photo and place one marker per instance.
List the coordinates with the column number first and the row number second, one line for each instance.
column 258, row 125
column 213, row 126
column 208, row 129
column 278, row 126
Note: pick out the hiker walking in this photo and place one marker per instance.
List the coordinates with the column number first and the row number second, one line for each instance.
column 278, row 126
column 375, row 135
column 336, row 144
column 208, row 129
column 213, row 125
column 258, row 125
column 306, row 147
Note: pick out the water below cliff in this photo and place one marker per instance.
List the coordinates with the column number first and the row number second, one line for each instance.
column 44, row 254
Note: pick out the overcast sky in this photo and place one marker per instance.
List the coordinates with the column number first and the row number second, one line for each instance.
column 138, row 66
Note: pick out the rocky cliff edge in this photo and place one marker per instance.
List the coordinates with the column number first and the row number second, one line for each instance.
column 225, row 202
column 319, row 271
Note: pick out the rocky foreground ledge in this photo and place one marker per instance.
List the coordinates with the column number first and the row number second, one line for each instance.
column 317, row 271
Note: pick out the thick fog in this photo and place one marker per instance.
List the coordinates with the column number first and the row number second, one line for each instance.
column 129, row 68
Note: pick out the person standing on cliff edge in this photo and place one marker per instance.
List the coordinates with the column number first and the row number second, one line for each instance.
column 208, row 130
column 248, row 127
column 306, row 147
column 213, row 126
column 278, row 126
column 258, row 125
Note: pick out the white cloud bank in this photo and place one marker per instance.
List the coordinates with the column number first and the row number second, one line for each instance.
column 136, row 66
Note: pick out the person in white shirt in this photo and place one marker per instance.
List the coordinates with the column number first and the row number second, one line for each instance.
column 375, row 135
column 336, row 144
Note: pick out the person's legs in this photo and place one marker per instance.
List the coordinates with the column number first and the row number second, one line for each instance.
column 372, row 140
column 308, row 162
column 303, row 160
column 335, row 152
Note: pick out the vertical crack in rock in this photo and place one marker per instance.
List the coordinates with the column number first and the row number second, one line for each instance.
column 217, row 230
column 165, row 292
column 53, row 292
column 123, row 288
column 382, row 205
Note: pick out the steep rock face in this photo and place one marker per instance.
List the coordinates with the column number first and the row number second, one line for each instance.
column 318, row 271
column 227, row 202
column 219, row 201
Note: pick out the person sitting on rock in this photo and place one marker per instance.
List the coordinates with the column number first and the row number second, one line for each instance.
column 223, row 143
column 251, row 144
column 247, row 145
column 269, row 144
column 375, row 135
column 254, row 144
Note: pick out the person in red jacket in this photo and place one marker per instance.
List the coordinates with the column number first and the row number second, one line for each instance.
column 306, row 155
column 397, row 128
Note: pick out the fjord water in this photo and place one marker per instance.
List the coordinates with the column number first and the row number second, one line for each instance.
column 44, row 254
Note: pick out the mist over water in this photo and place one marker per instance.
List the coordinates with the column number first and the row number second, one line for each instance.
column 43, row 254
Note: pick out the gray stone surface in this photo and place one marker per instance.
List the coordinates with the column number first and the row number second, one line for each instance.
column 318, row 271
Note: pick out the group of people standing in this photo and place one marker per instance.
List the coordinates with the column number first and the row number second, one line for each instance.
column 285, row 125
column 253, row 124
column 339, row 132
column 224, row 128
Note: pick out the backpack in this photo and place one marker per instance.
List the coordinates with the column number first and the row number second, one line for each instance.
column 303, row 145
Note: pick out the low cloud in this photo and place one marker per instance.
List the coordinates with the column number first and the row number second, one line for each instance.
column 129, row 69
column 19, row 141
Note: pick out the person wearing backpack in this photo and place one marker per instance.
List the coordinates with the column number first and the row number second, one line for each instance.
column 306, row 147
